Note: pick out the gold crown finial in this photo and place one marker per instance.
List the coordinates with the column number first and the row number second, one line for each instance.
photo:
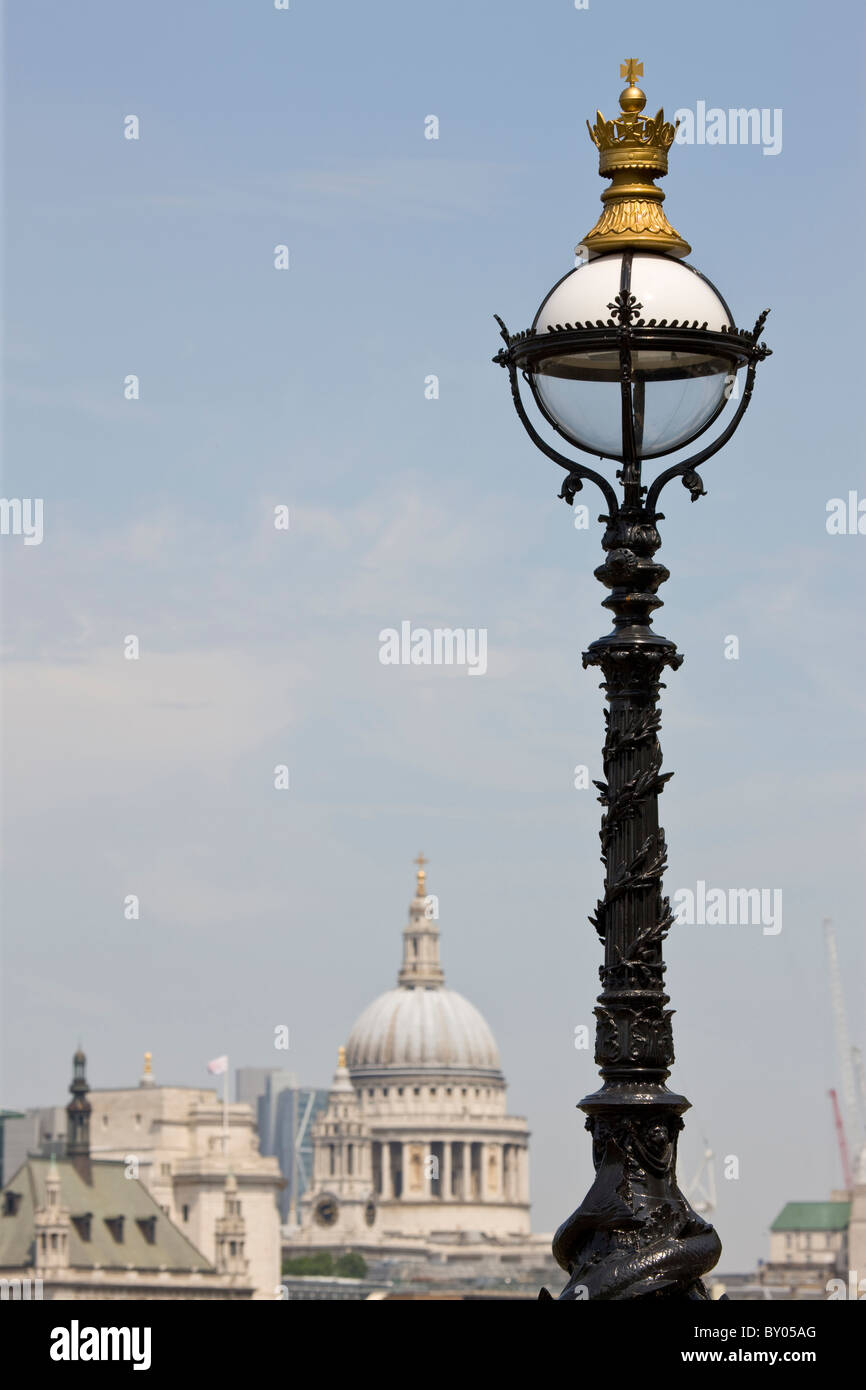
column 341, row 1057
column 422, row 876
column 148, row 1059
column 633, row 153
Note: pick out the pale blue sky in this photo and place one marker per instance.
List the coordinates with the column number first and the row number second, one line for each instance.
column 258, row 387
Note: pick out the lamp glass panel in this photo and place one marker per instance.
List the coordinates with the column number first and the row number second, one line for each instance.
column 667, row 411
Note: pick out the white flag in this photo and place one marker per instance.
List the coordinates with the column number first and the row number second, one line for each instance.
column 218, row 1066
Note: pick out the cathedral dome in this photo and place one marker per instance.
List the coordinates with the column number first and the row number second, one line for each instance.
column 421, row 1025
column 422, row 1029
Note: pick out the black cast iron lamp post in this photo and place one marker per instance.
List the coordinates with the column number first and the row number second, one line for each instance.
column 632, row 356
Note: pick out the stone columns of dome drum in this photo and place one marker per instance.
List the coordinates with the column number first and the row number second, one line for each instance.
column 467, row 1172
column 387, row 1185
column 494, row 1172
column 513, row 1173
column 445, row 1185
column 405, row 1171
column 457, row 1171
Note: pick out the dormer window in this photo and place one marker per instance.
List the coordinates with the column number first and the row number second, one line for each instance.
column 115, row 1226
column 82, row 1225
column 11, row 1203
column 147, row 1226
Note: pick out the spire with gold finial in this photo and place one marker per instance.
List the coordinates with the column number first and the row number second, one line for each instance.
column 633, row 153
column 342, row 1084
column 146, row 1078
column 421, row 884
column 421, row 966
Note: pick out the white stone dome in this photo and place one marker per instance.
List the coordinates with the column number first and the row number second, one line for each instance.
column 408, row 1030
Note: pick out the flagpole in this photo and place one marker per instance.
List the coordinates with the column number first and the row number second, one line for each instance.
column 226, row 1109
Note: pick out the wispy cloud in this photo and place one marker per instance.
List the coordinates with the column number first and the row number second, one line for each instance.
column 432, row 188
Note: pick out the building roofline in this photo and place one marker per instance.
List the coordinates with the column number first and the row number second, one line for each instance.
column 148, row 1090
column 794, row 1216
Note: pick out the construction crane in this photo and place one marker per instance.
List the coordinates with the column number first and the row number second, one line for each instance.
column 842, row 1141
column 857, row 1059
column 701, row 1191
column 843, row 1042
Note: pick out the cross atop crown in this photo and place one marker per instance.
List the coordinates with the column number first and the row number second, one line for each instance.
column 631, row 69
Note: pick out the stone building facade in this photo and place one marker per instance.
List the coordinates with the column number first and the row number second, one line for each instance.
column 81, row 1227
column 810, row 1239
column 185, row 1144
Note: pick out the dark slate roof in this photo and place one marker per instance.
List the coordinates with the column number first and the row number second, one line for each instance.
column 110, row 1194
column 813, row 1216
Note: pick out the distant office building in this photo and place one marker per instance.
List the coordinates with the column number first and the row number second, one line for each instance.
column 817, row 1251
column 284, row 1114
column 810, row 1238
column 38, row 1132
column 250, row 1084
column 809, row 1248
column 5, row 1117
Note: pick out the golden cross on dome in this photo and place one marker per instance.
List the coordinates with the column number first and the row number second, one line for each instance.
column 421, row 861
column 630, row 70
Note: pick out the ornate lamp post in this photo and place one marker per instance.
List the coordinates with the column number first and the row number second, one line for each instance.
column 632, row 356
